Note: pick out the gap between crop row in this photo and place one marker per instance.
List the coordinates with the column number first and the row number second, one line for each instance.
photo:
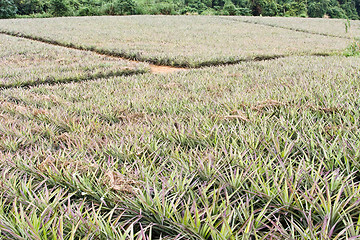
column 53, row 80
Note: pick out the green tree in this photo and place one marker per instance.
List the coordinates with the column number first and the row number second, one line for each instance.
column 357, row 6
column 295, row 8
column 242, row 3
column 256, row 7
column 216, row 3
column 27, row 7
column 317, row 9
column 164, row 8
column 243, row 12
column 269, row 8
column 125, row 7
column 230, row 8
column 120, row 7
column 59, row 7
column 7, row 9
column 350, row 9
column 336, row 12
column 87, row 11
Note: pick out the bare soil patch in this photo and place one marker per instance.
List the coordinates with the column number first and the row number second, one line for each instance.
column 164, row 69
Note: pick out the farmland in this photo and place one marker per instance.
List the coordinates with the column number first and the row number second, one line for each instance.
column 322, row 26
column 26, row 62
column 257, row 149
column 195, row 41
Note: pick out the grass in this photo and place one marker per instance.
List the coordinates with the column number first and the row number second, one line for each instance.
column 27, row 63
column 257, row 150
column 195, row 41
column 353, row 49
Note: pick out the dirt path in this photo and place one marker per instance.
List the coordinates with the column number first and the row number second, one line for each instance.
column 164, row 69
column 156, row 69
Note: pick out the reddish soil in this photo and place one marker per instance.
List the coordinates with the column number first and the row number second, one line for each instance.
column 164, row 69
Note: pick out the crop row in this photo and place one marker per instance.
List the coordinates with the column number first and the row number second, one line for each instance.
column 26, row 63
column 328, row 27
column 254, row 150
column 195, row 41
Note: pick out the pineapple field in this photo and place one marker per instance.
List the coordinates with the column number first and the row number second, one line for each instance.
column 179, row 127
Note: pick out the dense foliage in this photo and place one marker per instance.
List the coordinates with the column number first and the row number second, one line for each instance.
column 7, row 9
column 303, row 8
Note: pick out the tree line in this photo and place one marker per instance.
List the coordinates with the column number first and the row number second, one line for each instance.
column 293, row 8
